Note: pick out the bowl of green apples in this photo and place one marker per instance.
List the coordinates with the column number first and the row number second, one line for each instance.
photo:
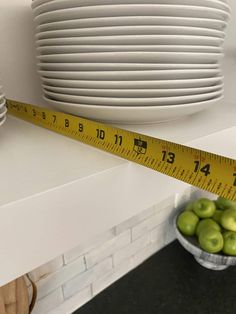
column 207, row 229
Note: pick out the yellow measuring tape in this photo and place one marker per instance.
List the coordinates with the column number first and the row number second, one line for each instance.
column 207, row 171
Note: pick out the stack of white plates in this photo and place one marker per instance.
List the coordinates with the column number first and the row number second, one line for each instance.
column 3, row 109
column 131, row 61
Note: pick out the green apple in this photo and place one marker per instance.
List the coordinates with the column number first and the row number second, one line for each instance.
column 217, row 216
column 189, row 206
column 223, row 204
column 204, row 208
column 229, row 243
column 187, row 222
column 207, row 223
column 211, row 240
column 228, row 219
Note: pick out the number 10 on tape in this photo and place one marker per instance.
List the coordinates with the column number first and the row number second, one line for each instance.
column 210, row 172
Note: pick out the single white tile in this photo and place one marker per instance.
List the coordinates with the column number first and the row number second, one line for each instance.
column 152, row 222
column 107, row 249
column 74, row 285
column 48, row 303
column 134, row 220
column 131, row 249
column 46, row 269
column 170, row 232
column 147, row 252
column 73, row 303
column 73, row 254
column 167, row 203
column 184, row 197
column 158, row 234
column 55, row 280
column 112, row 276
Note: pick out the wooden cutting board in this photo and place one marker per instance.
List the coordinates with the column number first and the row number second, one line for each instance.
column 14, row 297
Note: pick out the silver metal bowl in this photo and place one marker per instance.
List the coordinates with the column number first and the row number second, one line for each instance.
column 208, row 260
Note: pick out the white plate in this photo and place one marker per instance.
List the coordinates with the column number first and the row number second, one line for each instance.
column 135, row 57
column 3, row 112
column 2, row 103
column 132, row 75
column 131, row 30
column 122, row 66
column 150, row 101
column 134, row 21
column 133, row 40
column 132, row 115
column 3, row 120
column 134, row 84
column 48, row 50
column 131, row 10
column 133, row 92
column 66, row 4
column 36, row 3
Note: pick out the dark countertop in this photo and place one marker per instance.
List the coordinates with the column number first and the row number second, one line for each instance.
column 170, row 282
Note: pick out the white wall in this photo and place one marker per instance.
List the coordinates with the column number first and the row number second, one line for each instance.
column 17, row 53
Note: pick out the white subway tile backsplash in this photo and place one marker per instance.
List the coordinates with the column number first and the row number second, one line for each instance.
column 157, row 241
column 127, row 265
column 73, row 254
column 112, row 276
column 48, row 303
column 150, row 223
column 169, row 235
column 184, row 197
column 46, row 269
column 93, row 266
column 164, row 232
column 164, row 213
column 108, row 248
column 79, row 282
column 158, row 234
column 53, row 281
column 131, row 249
column 134, row 220
column 73, row 303
column 167, row 203
column 147, row 252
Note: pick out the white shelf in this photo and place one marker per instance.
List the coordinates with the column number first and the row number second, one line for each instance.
column 56, row 192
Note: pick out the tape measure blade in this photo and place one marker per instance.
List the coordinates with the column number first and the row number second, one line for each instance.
column 207, row 171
